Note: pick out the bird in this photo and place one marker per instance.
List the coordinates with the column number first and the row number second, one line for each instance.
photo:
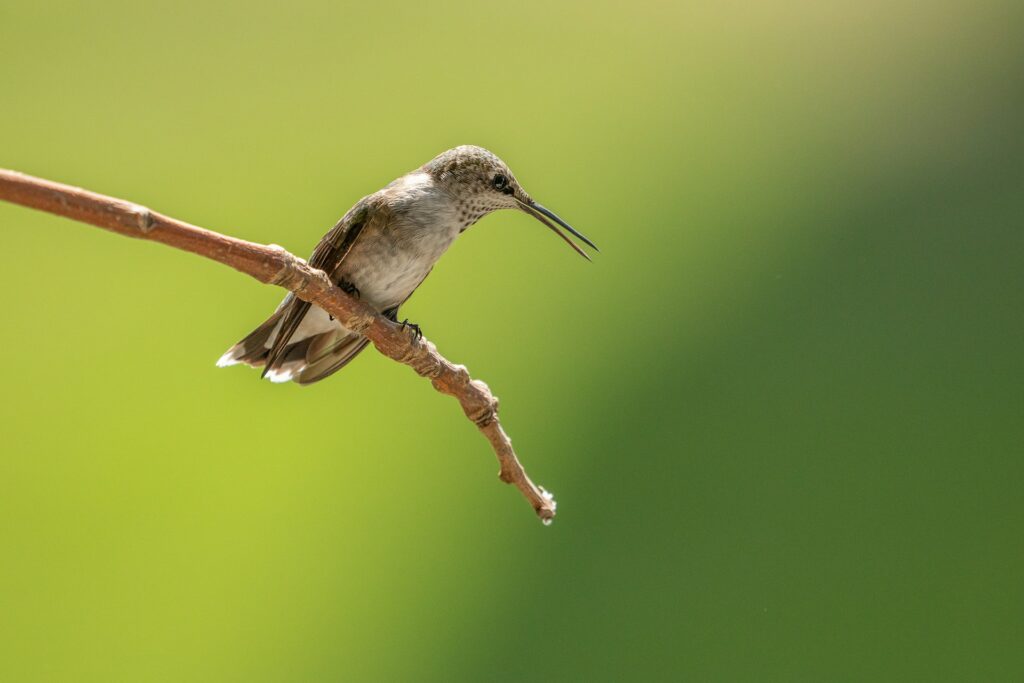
column 380, row 251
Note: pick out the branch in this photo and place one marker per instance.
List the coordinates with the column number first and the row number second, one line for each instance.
column 276, row 266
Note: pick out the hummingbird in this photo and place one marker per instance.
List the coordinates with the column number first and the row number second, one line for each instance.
column 381, row 251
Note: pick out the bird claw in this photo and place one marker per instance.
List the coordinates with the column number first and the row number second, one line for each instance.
column 392, row 315
column 417, row 332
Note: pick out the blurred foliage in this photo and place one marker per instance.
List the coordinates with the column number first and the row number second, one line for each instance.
column 782, row 411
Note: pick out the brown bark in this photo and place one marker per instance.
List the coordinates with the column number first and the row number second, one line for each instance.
column 274, row 265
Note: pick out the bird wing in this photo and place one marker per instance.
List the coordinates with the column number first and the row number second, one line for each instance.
column 327, row 256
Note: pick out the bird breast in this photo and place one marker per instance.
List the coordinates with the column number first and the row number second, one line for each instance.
column 389, row 264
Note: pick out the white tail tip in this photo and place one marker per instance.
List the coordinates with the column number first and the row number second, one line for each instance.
column 280, row 375
column 228, row 359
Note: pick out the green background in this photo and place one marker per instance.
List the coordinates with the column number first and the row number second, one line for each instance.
column 782, row 412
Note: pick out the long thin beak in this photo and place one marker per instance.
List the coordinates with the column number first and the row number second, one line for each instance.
column 542, row 214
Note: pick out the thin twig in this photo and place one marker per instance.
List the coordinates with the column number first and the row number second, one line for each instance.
column 274, row 265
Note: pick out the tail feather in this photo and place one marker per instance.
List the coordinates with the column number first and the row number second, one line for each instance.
column 345, row 346
column 254, row 348
column 305, row 360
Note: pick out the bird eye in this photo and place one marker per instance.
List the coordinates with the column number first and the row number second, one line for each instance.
column 500, row 182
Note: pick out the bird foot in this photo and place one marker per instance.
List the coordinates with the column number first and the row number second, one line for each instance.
column 417, row 332
column 392, row 315
column 348, row 288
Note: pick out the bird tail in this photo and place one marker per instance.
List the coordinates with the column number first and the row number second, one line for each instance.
column 303, row 360
column 254, row 348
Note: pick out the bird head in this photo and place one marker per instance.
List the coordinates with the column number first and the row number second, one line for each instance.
column 481, row 183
